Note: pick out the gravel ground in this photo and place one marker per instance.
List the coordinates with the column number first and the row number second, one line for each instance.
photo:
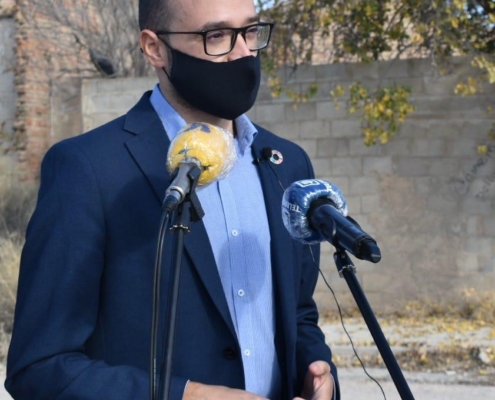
column 440, row 358
column 450, row 351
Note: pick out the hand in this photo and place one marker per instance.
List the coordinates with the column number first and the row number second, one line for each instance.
column 198, row 391
column 318, row 384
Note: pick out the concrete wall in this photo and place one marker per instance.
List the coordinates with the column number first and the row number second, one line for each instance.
column 105, row 99
column 7, row 64
column 427, row 197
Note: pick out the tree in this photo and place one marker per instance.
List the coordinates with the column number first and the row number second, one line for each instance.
column 86, row 37
column 374, row 30
column 104, row 33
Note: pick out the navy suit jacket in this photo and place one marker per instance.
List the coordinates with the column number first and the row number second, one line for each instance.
column 83, row 313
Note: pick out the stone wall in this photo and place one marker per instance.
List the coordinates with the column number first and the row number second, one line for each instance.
column 427, row 197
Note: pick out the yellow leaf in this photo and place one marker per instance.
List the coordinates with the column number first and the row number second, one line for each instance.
column 417, row 38
column 459, row 4
column 482, row 149
column 368, row 10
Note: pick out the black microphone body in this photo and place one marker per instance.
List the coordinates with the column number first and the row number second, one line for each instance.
column 314, row 210
column 341, row 232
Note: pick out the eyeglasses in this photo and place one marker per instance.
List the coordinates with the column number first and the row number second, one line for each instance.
column 218, row 42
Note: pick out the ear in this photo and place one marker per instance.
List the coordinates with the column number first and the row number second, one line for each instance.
column 153, row 48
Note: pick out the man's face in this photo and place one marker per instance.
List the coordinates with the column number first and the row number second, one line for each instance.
column 199, row 15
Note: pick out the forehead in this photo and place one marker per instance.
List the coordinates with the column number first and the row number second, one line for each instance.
column 196, row 14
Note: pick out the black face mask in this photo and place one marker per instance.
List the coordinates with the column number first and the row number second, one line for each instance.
column 223, row 89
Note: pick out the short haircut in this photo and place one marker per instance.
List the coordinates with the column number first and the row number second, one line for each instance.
column 155, row 14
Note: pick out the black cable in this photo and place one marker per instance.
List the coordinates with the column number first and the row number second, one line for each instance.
column 156, row 304
column 347, row 333
column 181, row 227
column 276, row 176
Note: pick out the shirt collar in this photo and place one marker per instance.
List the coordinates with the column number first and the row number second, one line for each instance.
column 173, row 122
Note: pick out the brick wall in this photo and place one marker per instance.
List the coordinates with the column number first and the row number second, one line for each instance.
column 7, row 64
column 32, row 122
column 427, row 197
column 38, row 75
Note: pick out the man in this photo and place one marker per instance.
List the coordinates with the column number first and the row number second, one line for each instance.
column 247, row 324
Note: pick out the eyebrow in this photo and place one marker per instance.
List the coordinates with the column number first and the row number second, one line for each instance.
column 225, row 24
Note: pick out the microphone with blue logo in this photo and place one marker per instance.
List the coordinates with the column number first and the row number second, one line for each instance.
column 314, row 211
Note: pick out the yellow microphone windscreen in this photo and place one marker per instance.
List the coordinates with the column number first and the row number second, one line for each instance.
column 209, row 146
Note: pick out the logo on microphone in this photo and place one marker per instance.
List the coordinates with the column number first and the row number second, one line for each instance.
column 291, row 207
column 308, row 182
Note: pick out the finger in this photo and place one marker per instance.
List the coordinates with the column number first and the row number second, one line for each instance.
column 319, row 368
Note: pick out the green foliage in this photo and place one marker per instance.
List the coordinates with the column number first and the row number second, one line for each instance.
column 374, row 30
column 384, row 111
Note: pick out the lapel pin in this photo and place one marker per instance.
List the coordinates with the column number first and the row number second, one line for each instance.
column 276, row 157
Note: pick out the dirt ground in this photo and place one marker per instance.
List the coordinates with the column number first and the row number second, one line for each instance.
column 440, row 357
column 445, row 351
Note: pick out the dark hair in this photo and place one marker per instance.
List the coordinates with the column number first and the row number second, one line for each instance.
column 154, row 14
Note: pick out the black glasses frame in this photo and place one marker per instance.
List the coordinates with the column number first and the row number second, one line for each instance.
column 242, row 31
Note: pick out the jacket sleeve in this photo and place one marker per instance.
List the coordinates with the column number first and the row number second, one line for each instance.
column 310, row 344
column 59, row 293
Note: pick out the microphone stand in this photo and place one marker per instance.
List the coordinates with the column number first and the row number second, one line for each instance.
column 188, row 211
column 347, row 270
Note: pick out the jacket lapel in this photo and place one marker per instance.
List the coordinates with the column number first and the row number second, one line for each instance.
column 199, row 249
column 149, row 149
column 272, row 177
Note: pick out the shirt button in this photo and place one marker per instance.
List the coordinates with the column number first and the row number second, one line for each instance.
column 235, row 232
column 247, row 353
column 241, row 293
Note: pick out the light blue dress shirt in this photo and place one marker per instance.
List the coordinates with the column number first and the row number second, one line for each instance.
column 237, row 226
